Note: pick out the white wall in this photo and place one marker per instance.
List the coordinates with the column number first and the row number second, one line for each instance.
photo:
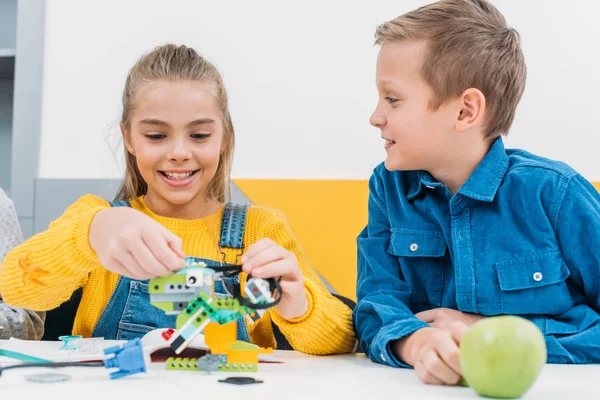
column 301, row 79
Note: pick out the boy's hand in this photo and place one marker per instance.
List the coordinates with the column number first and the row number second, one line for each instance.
column 441, row 318
column 434, row 353
column 266, row 259
column 132, row 244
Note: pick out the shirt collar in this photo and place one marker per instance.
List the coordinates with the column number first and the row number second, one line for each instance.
column 482, row 184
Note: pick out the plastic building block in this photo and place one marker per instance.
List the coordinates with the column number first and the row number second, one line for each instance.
column 128, row 358
column 209, row 362
column 258, row 291
column 196, row 364
column 189, row 294
column 220, row 338
column 240, row 380
column 68, row 342
column 234, row 367
column 182, row 364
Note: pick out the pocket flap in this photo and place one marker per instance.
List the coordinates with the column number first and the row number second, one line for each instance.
column 417, row 243
column 532, row 271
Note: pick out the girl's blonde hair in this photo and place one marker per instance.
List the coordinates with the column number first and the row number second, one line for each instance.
column 176, row 63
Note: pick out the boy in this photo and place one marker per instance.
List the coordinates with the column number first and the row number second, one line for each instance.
column 459, row 227
column 15, row 322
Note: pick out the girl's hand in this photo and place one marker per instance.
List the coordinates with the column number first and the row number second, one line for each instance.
column 132, row 244
column 266, row 259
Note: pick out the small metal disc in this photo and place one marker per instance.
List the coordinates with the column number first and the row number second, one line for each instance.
column 48, row 378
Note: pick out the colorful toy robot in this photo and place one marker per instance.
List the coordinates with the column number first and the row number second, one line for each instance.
column 189, row 294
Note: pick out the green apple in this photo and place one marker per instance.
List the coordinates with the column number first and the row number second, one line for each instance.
column 502, row 356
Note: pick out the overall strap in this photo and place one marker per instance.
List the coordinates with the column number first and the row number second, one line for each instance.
column 120, row 203
column 233, row 224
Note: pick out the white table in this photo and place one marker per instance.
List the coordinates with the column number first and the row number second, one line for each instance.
column 301, row 377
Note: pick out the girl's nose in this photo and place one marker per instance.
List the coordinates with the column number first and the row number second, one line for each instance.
column 180, row 151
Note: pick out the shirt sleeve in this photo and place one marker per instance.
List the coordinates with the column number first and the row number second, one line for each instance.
column 572, row 337
column 383, row 313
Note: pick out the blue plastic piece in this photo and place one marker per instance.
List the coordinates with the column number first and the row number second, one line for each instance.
column 128, row 358
column 67, row 342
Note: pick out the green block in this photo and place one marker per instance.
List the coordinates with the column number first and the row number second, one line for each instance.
column 157, row 285
column 226, row 304
column 241, row 345
column 227, row 367
column 189, row 364
column 163, row 305
column 181, row 364
column 191, row 309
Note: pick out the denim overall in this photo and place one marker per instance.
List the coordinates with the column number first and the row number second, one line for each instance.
column 129, row 314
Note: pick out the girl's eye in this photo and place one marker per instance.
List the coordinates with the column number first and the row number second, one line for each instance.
column 391, row 100
column 200, row 136
column 156, row 136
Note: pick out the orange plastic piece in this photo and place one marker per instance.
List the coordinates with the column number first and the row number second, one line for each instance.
column 220, row 338
column 242, row 356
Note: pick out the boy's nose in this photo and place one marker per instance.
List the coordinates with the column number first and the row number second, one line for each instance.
column 377, row 120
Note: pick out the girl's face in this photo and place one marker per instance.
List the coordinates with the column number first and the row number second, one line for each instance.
column 175, row 134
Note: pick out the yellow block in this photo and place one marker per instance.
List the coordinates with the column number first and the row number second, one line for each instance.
column 220, row 338
column 326, row 216
column 596, row 185
column 242, row 356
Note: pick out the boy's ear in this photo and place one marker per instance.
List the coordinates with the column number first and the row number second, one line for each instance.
column 472, row 110
column 126, row 139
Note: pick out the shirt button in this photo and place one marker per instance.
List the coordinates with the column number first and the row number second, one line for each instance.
column 383, row 358
column 414, row 247
column 537, row 276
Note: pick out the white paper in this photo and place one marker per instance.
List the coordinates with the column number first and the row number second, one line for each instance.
column 51, row 350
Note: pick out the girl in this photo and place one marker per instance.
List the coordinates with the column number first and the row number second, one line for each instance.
column 179, row 143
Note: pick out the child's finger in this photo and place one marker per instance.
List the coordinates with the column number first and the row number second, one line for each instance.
column 458, row 330
column 449, row 353
column 140, row 270
column 145, row 256
column 257, row 248
column 437, row 366
column 268, row 255
column 119, row 264
column 160, row 257
column 426, row 316
column 426, row 376
column 176, row 244
column 280, row 268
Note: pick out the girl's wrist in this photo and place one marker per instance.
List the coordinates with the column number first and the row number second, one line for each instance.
column 295, row 307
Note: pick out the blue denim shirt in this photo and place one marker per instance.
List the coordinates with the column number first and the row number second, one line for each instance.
column 520, row 237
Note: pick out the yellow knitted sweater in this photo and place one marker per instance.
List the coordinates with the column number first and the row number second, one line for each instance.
column 44, row 271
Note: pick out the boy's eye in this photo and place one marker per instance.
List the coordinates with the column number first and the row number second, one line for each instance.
column 156, row 136
column 200, row 136
column 391, row 100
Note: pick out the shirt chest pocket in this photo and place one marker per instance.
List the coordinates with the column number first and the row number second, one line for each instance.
column 534, row 285
column 421, row 254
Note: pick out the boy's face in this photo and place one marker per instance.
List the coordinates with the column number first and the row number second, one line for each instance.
column 416, row 138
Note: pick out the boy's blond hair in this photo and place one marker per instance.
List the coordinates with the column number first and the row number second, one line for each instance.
column 468, row 45
column 176, row 63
